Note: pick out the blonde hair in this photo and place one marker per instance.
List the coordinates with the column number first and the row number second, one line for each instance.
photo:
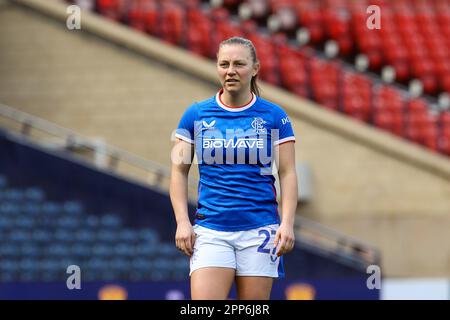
column 246, row 43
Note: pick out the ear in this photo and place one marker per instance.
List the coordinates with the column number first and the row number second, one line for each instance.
column 256, row 67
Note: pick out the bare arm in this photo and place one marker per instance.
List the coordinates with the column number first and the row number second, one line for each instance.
column 181, row 157
column 288, row 182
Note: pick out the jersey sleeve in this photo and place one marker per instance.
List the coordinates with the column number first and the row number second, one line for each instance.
column 185, row 130
column 283, row 124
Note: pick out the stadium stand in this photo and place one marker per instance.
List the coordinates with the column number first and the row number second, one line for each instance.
column 117, row 229
column 390, row 209
column 318, row 77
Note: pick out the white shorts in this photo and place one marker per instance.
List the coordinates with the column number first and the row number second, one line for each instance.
column 250, row 252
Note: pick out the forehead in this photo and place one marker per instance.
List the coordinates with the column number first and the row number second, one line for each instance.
column 234, row 52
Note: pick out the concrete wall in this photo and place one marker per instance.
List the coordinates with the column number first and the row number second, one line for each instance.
column 94, row 87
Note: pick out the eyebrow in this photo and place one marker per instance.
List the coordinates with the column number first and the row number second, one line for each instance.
column 240, row 61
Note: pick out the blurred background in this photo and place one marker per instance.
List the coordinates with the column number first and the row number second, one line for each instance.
column 89, row 101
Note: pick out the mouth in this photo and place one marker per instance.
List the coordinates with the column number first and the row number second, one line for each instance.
column 231, row 81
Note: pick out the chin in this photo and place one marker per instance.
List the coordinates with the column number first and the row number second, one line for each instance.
column 232, row 88
column 232, row 91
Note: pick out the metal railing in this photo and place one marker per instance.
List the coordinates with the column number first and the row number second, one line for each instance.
column 331, row 243
column 98, row 153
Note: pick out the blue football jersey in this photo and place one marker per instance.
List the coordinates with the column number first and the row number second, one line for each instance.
column 233, row 146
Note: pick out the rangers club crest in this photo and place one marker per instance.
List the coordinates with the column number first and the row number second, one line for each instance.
column 258, row 125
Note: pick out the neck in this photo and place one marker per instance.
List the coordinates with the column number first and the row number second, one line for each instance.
column 236, row 100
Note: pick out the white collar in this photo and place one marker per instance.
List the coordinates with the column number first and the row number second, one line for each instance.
column 234, row 109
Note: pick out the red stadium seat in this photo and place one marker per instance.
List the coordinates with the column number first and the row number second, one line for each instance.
column 345, row 45
column 356, row 93
column 173, row 23
column 401, row 71
column 445, row 82
column 143, row 15
column 444, row 143
column 316, row 33
column 414, row 40
column 375, row 60
column 198, row 37
column 112, row 9
column 430, row 138
column 368, row 43
column 292, row 70
column 445, row 119
column 430, row 84
column 337, row 24
column 417, row 106
column 390, row 121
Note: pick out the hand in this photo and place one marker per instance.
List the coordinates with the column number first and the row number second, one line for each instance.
column 185, row 238
column 285, row 238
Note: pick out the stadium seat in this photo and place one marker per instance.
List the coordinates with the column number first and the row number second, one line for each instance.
column 111, row 221
column 97, row 264
column 124, row 250
column 102, row 250
column 51, row 208
column 72, row 208
column 9, row 207
column 85, row 236
column 9, row 266
column 145, row 250
column 8, row 250
column 148, row 236
column 92, row 222
column 35, row 194
column 3, row 182
column 29, row 276
column 12, row 194
column 413, row 41
column 24, row 222
column 69, row 222
column 172, row 23
column 112, row 9
column 120, row 265
column 19, row 236
column 167, row 250
column 41, row 236
column 444, row 143
column 26, row 264
column 57, row 250
column 63, row 234
column 107, row 235
column 128, row 235
column 80, row 250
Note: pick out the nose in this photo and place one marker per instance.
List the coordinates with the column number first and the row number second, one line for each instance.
column 231, row 70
